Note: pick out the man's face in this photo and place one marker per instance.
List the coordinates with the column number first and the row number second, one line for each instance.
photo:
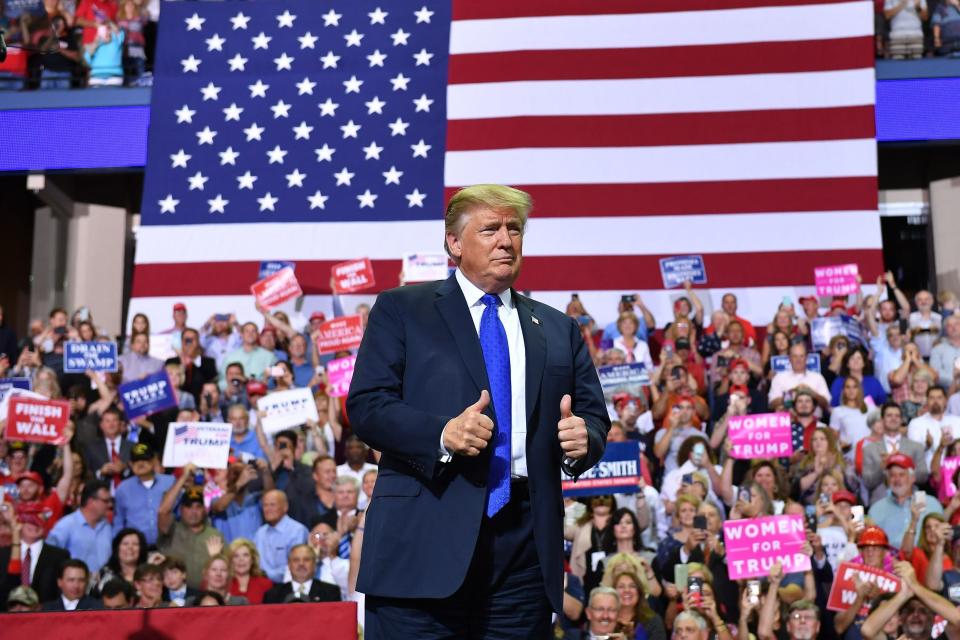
column 325, row 537
column 274, row 507
column 628, row 412
column 729, row 304
column 684, row 412
column 892, row 419
column 953, row 327
column 193, row 514
column 30, row 533
column 151, row 586
column 798, row 358
column 250, row 334
column 18, row 461
column 73, row 583
column 268, row 340
column 810, row 307
column 804, row 406
column 489, row 248
column 616, row 434
column 180, row 317
column 355, row 452
column 302, row 563
column 298, row 346
column 924, row 300
column 99, row 504
column 142, row 468
column 118, row 601
column 735, row 334
column 140, row 344
column 29, row 490
column 191, row 344
column 803, row 625
column 894, row 337
column 900, row 481
column 285, row 448
column 238, row 419
column 345, row 497
column 110, row 425
column 917, row 619
column 888, row 311
column 686, row 629
column 58, row 319
column 936, row 401
column 602, row 614
column 325, row 473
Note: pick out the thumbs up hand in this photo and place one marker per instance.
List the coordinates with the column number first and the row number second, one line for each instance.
column 469, row 433
column 571, row 430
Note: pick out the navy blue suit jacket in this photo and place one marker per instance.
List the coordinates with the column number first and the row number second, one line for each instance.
column 420, row 364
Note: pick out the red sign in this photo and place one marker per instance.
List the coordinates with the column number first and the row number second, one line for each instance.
column 353, row 275
column 276, row 289
column 36, row 420
column 340, row 334
column 843, row 593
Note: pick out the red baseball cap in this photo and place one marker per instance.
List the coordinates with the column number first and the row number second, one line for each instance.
column 30, row 475
column 838, row 304
column 318, row 315
column 809, row 299
column 30, row 517
column 843, row 496
column 256, row 388
column 899, row 460
column 179, row 307
column 741, row 389
column 739, row 362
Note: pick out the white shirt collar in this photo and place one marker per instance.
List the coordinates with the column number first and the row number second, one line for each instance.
column 472, row 293
column 68, row 604
column 306, row 586
column 34, row 548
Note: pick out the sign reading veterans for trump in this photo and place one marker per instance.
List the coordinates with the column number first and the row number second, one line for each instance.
column 148, row 395
column 276, row 289
column 339, row 376
column 623, row 378
column 37, row 420
column 843, row 593
column 822, row 330
column 678, row 269
column 779, row 364
column 205, row 444
column 340, row 334
column 836, row 280
column 270, row 267
column 89, row 356
column 762, row 435
column 617, row 472
column 286, row 409
column 424, row 267
column 353, row 276
column 756, row 544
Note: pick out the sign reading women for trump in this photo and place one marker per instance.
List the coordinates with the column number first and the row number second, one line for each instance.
column 339, row 375
column 276, row 289
column 148, row 395
column 340, row 334
column 353, row 275
column 205, row 444
column 756, row 544
column 836, row 280
column 285, row 409
column 37, row 420
column 617, row 472
column 948, row 467
column 79, row 357
column 763, row 435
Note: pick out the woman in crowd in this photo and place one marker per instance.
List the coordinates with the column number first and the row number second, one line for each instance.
column 782, row 323
column 901, row 377
column 589, row 540
column 919, row 554
column 148, row 582
column 823, row 457
column 779, row 343
column 248, row 580
column 679, row 534
column 920, row 381
column 636, row 618
column 623, row 540
column 849, row 418
column 767, row 474
column 831, row 359
column 857, row 364
column 636, row 350
column 129, row 552
column 216, row 578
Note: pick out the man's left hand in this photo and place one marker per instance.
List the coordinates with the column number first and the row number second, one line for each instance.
column 572, row 431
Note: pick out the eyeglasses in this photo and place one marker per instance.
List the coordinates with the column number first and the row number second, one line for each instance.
column 803, row 617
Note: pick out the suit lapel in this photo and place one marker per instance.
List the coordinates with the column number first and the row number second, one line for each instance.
column 535, row 346
column 453, row 309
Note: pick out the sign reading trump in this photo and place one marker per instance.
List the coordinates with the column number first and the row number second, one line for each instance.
column 148, row 395
column 205, row 444
column 763, row 435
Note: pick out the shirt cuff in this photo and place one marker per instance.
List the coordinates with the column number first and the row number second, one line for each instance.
column 443, row 455
column 567, row 465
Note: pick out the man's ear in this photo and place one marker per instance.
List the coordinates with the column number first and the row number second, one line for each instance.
column 453, row 245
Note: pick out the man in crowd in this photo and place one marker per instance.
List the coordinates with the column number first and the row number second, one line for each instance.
column 244, row 439
column 876, row 454
column 32, row 496
column 785, row 382
column 677, row 427
column 187, row 537
column 72, row 581
column 356, row 453
column 254, row 358
column 602, row 611
column 108, row 455
column 303, row 586
column 916, row 605
column 138, row 498
column 117, row 594
column 278, row 534
column 23, row 600
column 198, row 369
column 944, row 356
column 218, row 337
column 289, row 474
column 928, row 429
column 137, row 362
column 86, row 533
column 236, row 513
column 38, row 561
column 730, row 306
column 892, row 513
column 210, row 409
column 303, row 370
column 179, row 325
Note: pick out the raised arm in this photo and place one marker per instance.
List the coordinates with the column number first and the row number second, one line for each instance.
column 165, row 517
column 695, row 301
column 63, row 486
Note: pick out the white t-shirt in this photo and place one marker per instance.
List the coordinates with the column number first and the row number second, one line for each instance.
column 850, row 423
column 345, row 470
column 907, row 20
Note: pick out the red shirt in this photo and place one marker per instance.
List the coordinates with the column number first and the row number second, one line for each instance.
column 50, row 507
column 257, row 586
column 96, row 11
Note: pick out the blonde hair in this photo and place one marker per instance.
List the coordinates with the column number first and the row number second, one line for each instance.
column 244, row 543
column 488, row 196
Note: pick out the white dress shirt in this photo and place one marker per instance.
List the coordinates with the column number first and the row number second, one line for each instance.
column 335, row 571
column 301, row 588
column 69, row 605
column 35, row 550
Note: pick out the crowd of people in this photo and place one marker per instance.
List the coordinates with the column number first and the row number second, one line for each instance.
column 99, row 523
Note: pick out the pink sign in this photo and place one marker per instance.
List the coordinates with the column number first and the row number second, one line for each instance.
column 276, row 289
column 948, row 467
column 836, row 280
column 756, row 544
column 339, row 375
column 764, row 435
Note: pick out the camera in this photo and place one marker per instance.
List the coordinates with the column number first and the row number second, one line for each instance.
column 700, row 522
column 723, row 361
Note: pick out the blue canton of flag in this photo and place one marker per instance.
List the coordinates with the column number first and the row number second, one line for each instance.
column 298, row 111
column 185, row 432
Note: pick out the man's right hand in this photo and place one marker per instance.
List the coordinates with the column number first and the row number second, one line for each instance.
column 469, row 433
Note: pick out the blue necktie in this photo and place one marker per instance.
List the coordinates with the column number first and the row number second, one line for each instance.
column 343, row 549
column 496, row 355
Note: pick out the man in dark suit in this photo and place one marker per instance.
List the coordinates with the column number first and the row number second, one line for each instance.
column 477, row 397
column 303, row 586
column 109, row 454
column 72, row 581
column 44, row 559
column 198, row 369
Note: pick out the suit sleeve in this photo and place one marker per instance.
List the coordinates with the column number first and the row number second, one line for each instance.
column 872, row 474
column 378, row 414
column 587, row 404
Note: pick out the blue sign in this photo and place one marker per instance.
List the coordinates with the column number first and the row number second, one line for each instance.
column 148, row 395
column 779, row 364
column 822, row 330
column 16, row 8
column 272, row 266
column 79, row 357
column 15, row 383
column 617, row 472
column 623, row 378
column 678, row 269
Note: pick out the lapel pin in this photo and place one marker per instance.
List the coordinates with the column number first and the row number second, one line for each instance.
column 535, row 319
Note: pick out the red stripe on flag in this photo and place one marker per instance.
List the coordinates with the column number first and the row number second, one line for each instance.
column 540, row 273
column 493, row 9
column 663, row 62
column 694, row 198
column 837, row 123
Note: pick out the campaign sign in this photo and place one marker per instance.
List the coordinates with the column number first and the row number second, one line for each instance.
column 14, row 9
column 617, row 472
column 836, row 280
column 756, row 544
column 79, row 357
column 424, row 267
column 678, row 269
column 623, row 378
column 270, row 267
column 148, row 395
column 16, row 383
column 37, row 420
column 340, row 334
column 762, row 435
column 9, row 393
column 822, row 330
column 843, row 593
column 352, row 276
column 339, row 375
column 286, row 409
column 779, row 364
column 205, row 444
column 276, row 289
column 948, row 467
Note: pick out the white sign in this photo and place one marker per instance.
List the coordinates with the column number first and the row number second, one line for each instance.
column 286, row 409
column 424, row 267
column 205, row 444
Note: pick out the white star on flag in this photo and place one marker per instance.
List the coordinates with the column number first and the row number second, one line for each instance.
column 206, row 136
column 284, row 62
column 215, row 43
column 399, row 37
column 378, row 16
column 259, row 90
column 210, row 92
column 317, row 200
column 376, row 58
column 185, row 114
column 352, row 85
column 423, row 15
column 350, row 129
column 307, row 40
column 400, row 82
column 392, row 176
column 330, row 60
column 237, row 63
column 302, row 131
column 375, row 106
column 305, row 86
column 332, row 19
column 366, row 199
column 372, row 151
column 254, row 131
column 197, row 181
column 240, row 21
column 261, row 41
column 398, row 127
column 180, row 159
column 218, row 204
column 422, row 57
column 194, row 22
column 344, row 177
column 229, row 156
column 191, row 64
column 267, row 202
column 232, row 112
column 295, row 178
column 420, row 149
column 285, row 19
column 325, row 153
column 353, row 38
column 415, row 199
column 328, row 108
column 280, row 110
column 246, row 181
column 168, row 204
column 423, row 103
column 276, row 155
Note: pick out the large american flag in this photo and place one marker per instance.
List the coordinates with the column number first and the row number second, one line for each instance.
column 317, row 132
